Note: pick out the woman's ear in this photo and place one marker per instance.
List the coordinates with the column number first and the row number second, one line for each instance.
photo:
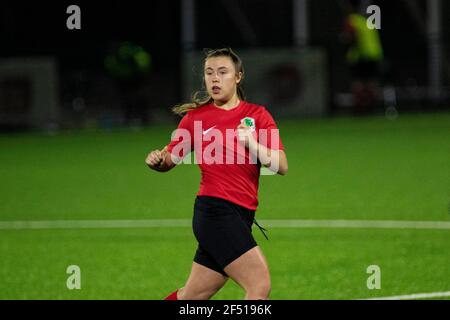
column 239, row 77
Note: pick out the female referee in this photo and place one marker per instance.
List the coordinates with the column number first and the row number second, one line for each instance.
column 225, row 205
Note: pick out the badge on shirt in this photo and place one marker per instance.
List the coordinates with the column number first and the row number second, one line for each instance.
column 249, row 122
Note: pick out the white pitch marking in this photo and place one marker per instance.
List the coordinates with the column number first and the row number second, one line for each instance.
column 173, row 223
column 361, row 224
column 415, row 296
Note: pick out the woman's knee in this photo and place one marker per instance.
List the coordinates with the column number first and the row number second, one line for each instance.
column 259, row 290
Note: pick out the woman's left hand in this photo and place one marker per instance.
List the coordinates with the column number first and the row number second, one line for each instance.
column 246, row 136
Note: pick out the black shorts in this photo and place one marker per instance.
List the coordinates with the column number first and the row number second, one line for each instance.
column 223, row 231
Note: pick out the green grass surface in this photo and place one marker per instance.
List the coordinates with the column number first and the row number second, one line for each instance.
column 365, row 168
column 150, row 263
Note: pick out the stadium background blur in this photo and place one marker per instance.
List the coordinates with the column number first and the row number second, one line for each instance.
column 80, row 109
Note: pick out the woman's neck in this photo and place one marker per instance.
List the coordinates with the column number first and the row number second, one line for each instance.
column 227, row 105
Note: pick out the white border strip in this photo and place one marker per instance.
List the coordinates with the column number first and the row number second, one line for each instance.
column 173, row 223
column 415, row 296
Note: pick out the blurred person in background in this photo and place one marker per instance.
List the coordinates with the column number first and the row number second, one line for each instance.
column 364, row 58
column 129, row 65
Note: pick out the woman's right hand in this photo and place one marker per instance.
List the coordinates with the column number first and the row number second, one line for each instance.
column 155, row 159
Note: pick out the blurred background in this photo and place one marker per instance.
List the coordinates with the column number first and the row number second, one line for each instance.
column 363, row 114
column 131, row 61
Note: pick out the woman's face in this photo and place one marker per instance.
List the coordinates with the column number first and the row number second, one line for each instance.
column 220, row 78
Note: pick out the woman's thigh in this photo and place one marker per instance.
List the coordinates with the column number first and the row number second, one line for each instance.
column 202, row 283
column 250, row 269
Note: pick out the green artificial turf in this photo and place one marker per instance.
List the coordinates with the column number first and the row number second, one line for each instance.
column 344, row 168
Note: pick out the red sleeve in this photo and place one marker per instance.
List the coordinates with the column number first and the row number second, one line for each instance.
column 181, row 140
column 270, row 135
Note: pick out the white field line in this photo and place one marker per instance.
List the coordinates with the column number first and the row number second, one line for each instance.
column 94, row 224
column 415, row 296
column 173, row 223
column 361, row 224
